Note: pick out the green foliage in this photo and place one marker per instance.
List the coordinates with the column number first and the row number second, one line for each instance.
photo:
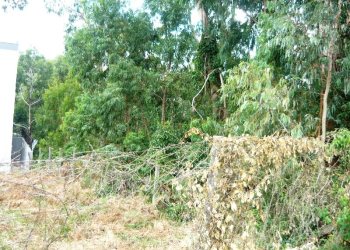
column 58, row 99
column 83, row 124
column 225, row 40
column 165, row 134
column 60, row 69
column 177, row 208
column 258, row 103
column 206, row 127
column 207, row 53
column 343, row 220
column 20, row 113
column 112, row 33
column 341, row 234
column 105, row 116
column 324, row 216
column 341, row 140
column 33, row 76
column 295, row 38
column 175, row 41
column 135, row 141
column 340, row 146
column 32, row 64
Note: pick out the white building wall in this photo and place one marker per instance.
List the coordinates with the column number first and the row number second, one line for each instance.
column 8, row 72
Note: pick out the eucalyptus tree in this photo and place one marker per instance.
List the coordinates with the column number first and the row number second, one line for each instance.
column 307, row 42
column 105, row 117
column 226, row 37
column 174, row 48
column 112, row 57
column 225, row 41
column 259, row 102
column 110, row 33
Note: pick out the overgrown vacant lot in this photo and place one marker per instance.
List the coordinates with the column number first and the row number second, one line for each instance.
column 49, row 210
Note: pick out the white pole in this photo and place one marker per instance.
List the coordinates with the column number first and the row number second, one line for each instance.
column 8, row 72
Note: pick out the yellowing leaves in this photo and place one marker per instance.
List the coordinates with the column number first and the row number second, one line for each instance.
column 242, row 169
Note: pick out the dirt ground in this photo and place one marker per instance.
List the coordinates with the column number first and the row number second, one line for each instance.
column 45, row 210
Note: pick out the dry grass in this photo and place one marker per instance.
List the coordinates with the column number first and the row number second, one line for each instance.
column 46, row 210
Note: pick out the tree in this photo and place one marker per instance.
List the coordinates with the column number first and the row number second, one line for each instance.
column 111, row 33
column 105, row 117
column 304, row 40
column 57, row 100
column 33, row 76
column 225, row 42
column 133, row 75
column 174, row 46
column 258, row 102
column 30, row 101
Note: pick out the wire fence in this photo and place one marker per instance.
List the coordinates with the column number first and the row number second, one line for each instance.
column 40, row 206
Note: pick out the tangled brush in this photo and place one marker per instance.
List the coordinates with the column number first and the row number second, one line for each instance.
column 261, row 192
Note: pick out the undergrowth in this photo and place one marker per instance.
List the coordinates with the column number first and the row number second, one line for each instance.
column 111, row 172
column 282, row 194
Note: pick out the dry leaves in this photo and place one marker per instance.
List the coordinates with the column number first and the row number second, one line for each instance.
column 241, row 170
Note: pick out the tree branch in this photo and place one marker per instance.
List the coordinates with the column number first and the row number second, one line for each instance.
column 194, row 98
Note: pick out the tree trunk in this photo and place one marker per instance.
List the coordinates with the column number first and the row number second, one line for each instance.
column 323, row 79
column 30, row 119
column 331, row 59
column 127, row 118
column 204, row 15
column 326, row 92
column 164, row 106
column 264, row 8
column 29, row 138
column 319, row 127
column 224, row 109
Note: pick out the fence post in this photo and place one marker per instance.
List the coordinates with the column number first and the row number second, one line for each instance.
column 60, row 160
column 155, row 184
column 50, row 153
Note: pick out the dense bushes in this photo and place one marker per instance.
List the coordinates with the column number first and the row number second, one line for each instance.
column 110, row 171
column 343, row 219
column 339, row 150
column 280, row 189
column 135, row 141
column 166, row 134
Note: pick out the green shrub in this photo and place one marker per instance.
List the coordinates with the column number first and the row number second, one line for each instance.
column 343, row 220
column 208, row 126
column 178, row 212
column 324, row 215
column 176, row 206
column 165, row 134
column 135, row 141
column 340, row 147
column 340, row 238
column 341, row 139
